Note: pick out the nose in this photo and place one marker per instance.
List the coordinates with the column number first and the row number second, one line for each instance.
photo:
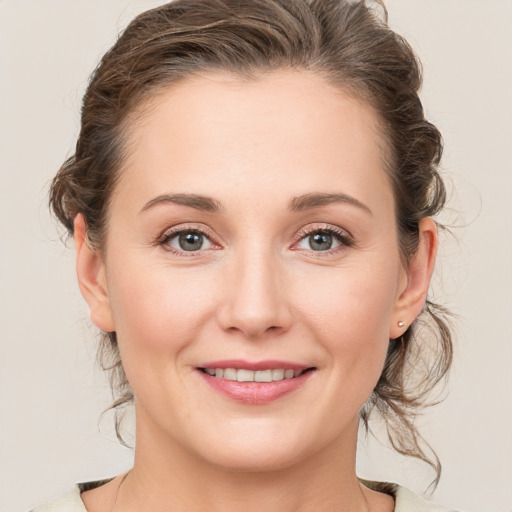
column 255, row 299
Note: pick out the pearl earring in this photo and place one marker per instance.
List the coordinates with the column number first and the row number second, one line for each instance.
column 401, row 324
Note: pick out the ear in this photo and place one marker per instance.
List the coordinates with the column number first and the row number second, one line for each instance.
column 413, row 294
column 90, row 271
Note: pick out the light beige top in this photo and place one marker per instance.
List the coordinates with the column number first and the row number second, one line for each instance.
column 405, row 500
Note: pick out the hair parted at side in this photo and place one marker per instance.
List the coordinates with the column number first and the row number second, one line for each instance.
column 349, row 43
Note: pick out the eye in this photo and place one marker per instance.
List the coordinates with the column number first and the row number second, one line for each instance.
column 188, row 240
column 320, row 241
column 324, row 240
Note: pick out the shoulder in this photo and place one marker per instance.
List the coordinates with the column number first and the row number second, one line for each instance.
column 71, row 501
column 405, row 500
column 68, row 502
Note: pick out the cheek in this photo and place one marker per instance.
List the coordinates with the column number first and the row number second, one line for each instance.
column 157, row 313
column 349, row 311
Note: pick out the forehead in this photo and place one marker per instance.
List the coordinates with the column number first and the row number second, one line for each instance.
column 288, row 130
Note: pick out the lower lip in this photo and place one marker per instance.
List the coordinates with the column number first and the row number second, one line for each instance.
column 255, row 393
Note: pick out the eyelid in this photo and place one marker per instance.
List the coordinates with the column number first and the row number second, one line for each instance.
column 343, row 236
column 172, row 232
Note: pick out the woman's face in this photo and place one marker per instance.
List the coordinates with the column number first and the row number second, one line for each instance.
column 253, row 229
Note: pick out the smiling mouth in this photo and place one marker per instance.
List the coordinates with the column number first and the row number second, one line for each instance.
column 255, row 383
column 244, row 375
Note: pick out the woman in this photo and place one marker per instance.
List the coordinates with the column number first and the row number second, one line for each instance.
column 251, row 200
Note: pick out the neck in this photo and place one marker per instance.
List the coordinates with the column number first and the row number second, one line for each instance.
column 167, row 477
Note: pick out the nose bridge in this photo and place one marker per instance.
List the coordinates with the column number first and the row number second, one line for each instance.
column 256, row 302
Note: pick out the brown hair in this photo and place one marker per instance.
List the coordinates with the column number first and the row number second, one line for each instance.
column 349, row 44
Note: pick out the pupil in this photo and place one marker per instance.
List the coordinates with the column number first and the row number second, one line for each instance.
column 191, row 241
column 320, row 241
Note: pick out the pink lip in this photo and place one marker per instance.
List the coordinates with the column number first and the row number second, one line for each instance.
column 255, row 393
column 260, row 365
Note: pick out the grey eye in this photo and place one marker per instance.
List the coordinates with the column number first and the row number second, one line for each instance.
column 320, row 241
column 190, row 241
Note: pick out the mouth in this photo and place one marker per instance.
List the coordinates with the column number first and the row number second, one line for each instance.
column 255, row 383
column 244, row 375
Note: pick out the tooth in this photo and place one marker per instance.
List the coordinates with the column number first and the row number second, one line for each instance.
column 289, row 374
column 277, row 374
column 230, row 374
column 245, row 376
column 263, row 376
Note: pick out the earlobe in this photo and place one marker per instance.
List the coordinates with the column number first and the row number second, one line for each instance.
column 418, row 274
column 91, row 278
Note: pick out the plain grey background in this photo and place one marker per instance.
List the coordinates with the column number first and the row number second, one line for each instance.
column 50, row 393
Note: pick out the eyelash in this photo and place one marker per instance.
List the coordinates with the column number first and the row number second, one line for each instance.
column 343, row 237
column 178, row 230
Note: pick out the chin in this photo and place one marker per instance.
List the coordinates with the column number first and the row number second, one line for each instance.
column 257, row 452
column 252, row 462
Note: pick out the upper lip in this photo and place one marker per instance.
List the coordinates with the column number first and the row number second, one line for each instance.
column 270, row 364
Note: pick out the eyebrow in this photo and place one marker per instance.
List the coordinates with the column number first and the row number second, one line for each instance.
column 314, row 200
column 297, row 204
column 197, row 201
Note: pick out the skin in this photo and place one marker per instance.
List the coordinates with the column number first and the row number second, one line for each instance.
column 256, row 290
